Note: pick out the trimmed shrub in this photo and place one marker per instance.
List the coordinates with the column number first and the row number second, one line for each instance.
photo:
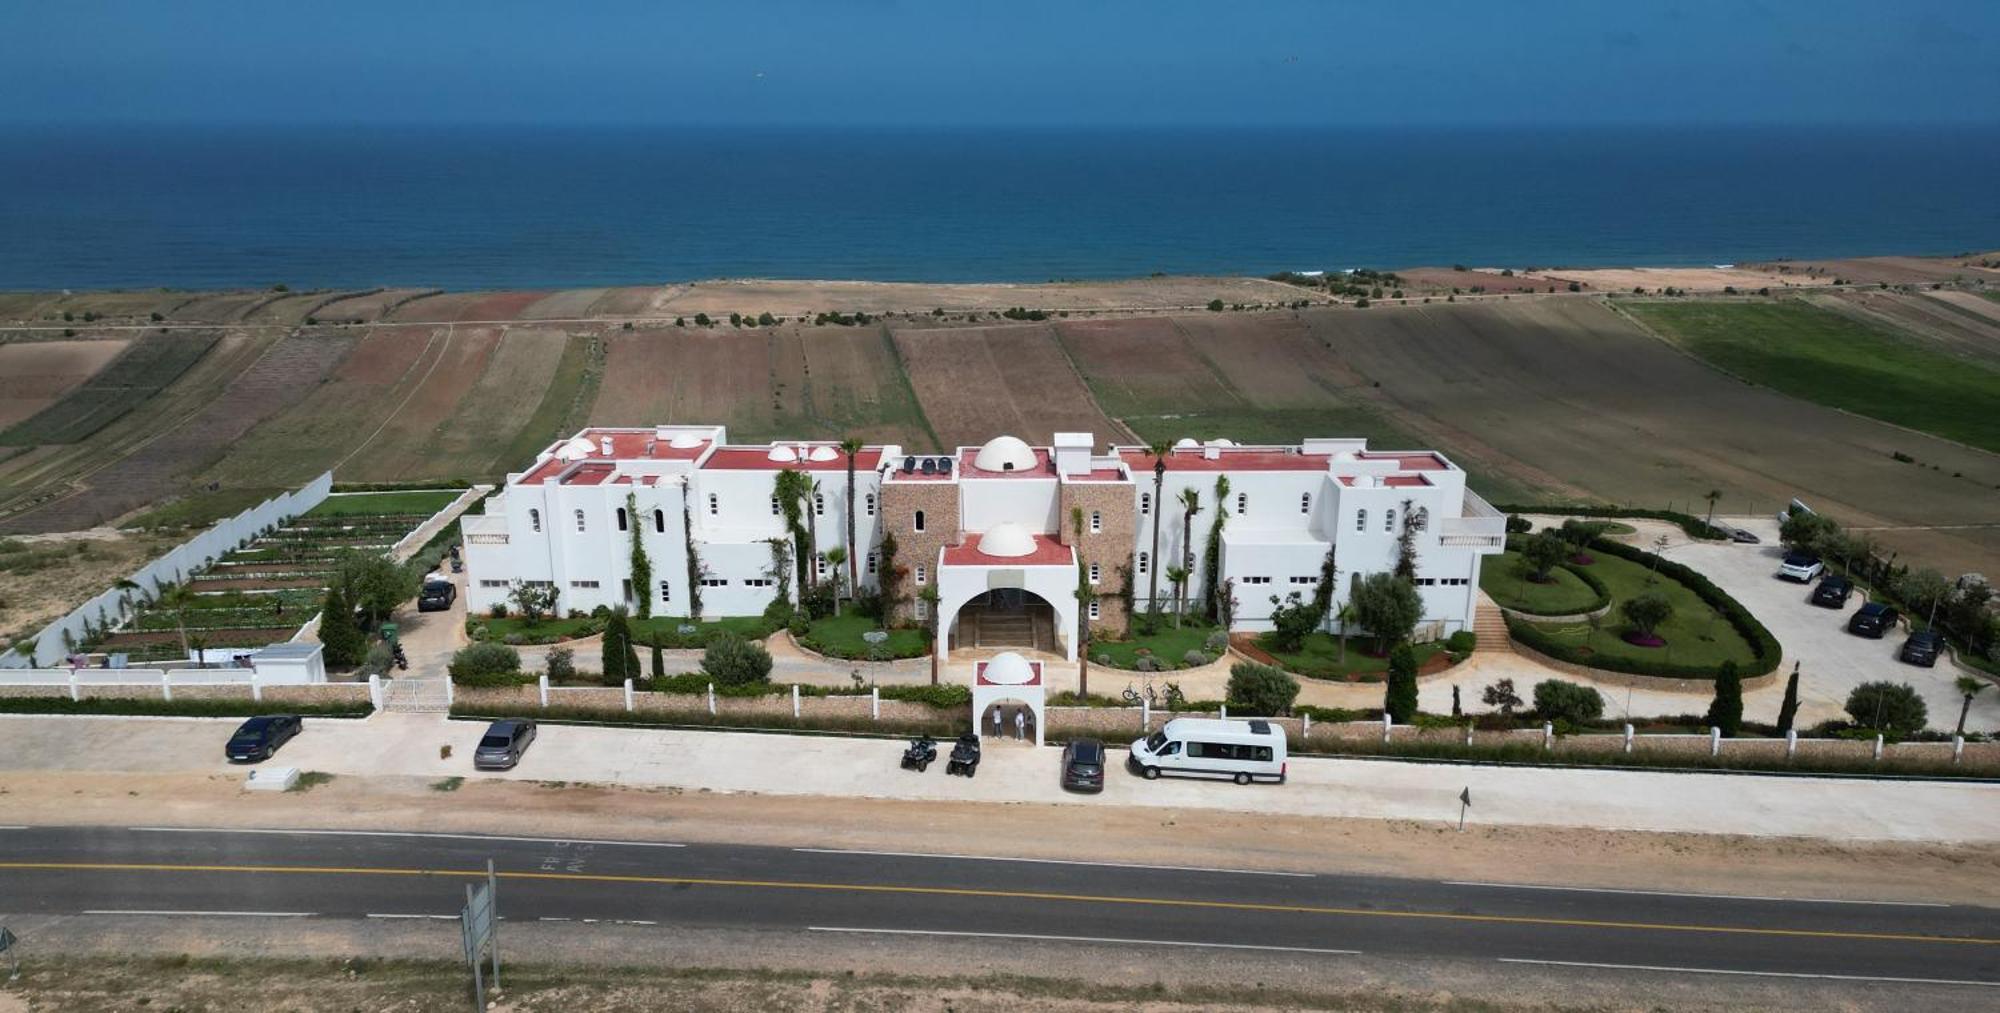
column 1217, row 642
column 1556, row 700
column 1726, row 711
column 1263, row 690
column 1399, row 698
column 731, row 660
column 561, row 664
column 1892, row 708
column 1461, row 642
column 1194, row 659
column 486, row 664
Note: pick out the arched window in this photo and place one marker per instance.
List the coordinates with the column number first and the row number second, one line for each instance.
column 1389, row 519
column 1144, row 561
column 775, row 510
column 579, row 520
column 1145, row 504
column 623, row 521
column 920, row 520
column 870, row 499
column 1095, row 573
column 1360, row 520
column 1306, row 503
column 819, row 504
column 660, row 521
column 1096, row 522
column 714, row 505
column 535, row 519
column 1242, row 503
column 923, row 576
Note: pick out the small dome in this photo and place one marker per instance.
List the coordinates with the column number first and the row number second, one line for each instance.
column 1004, row 453
column 1221, row 442
column 1008, row 540
column 823, row 453
column 783, row 454
column 1009, row 669
column 685, row 441
column 578, row 448
column 1185, row 442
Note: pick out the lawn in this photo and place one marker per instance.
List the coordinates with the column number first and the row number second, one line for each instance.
column 414, row 502
column 1505, row 578
column 1320, row 657
column 840, row 637
column 1821, row 356
column 1170, row 645
column 1696, row 634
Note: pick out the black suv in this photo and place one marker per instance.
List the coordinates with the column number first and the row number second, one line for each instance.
column 1083, row 765
column 437, row 596
column 1832, row 592
column 1922, row 648
column 257, row 738
column 1873, row 620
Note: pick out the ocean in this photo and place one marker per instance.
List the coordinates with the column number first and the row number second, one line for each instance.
column 536, row 207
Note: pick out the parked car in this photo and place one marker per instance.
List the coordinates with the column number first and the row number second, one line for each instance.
column 1083, row 765
column 259, row 737
column 1873, row 620
column 437, row 596
column 1832, row 592
column 1744, row 536
column 502, row 745
column 1800, row 567
column 1242, row 751
column 1922, row 648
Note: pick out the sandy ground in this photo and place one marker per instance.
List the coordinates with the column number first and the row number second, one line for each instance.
column 1699, row 279
column 93, row 561
column 787, row 298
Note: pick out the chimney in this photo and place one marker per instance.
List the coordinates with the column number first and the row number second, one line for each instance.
column 604, row 444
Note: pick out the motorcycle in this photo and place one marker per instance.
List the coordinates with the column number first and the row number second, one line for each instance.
column 922, row 750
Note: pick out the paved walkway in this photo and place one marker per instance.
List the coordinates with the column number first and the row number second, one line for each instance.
column 408, row 745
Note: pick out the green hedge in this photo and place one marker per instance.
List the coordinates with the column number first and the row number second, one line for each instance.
column 145, row 707
column 697, row 684
column 941, row 728
column 1694, row 526
column 1762, row 643
column 1514, row 543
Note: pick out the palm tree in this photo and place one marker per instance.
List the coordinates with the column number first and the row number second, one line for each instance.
column 1346, row 616
column 1190, row 505
column 1084, row 596
column 1177, row 576
column 812, row 528
column 834, row 557
column 1711, row 496
column 1159, row 452
column 929, row 596
column 1968, row 687
column 851, row 446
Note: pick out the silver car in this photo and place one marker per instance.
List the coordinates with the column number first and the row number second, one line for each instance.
column 503, row 744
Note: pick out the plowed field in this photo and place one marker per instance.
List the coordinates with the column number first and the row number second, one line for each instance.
column 35, row 374
column 976, row 382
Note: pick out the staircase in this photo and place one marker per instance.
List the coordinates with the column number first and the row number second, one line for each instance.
column 416, row 696
column 1006, row 629
column 1490, row 627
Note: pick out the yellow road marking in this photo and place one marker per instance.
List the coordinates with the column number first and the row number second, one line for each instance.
column 953, row 891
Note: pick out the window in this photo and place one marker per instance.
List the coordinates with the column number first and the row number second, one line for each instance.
column 1096, row 522
column 535, row 519
column 1242, row 503
column 714, row 582
column 539, row 583
column 714, row 505
column 1256, row 580
column 1306, row 503
column 666, row 592
column 871, row 564
column 1144, row 561
column 1426, row 581
column 622, row 519
column 625, row 589
column 579, row 520
column 758, row 582
column 1095, row 612
column 870, row 500
column 493, row 583
column 923, row 575
column 1389, row 520
column 775, row 509
column 819, row 504
column 923, row 608
column 920, row 520
column 1305, row 580
column 1096, row 573
column 1145, row 504
column 819, row 566
column 1360, row 520
column 660, row 522
column 588, row 585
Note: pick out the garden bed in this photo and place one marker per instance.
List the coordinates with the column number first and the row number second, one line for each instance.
column 1319, row 657
column 1170, row 646
column 841, row 637
column 644, row 631
column 1570, row 590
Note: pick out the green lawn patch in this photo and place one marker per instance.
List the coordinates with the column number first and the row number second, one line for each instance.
column 1697, row 634
column 840, row 637
column 200, row 509
column 1320, row 658
column 1170, row 645
column 412, row 502
column 1505, row 578
column 1822, row 356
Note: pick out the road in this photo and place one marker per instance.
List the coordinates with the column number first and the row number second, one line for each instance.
column 282, row 875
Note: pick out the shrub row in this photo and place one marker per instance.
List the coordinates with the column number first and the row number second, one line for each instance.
column 154, row 707
column 696, row 683
column 942, row 728
column 1762, row 643
column 1694, row 526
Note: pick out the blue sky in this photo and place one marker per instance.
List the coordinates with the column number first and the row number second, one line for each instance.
column 1083, row 63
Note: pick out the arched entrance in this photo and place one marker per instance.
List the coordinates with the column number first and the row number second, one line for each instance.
column 1011, row 720
column 1006, row 618
column 1008, row 699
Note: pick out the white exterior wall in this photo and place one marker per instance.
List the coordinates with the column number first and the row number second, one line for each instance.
column 1032, row 503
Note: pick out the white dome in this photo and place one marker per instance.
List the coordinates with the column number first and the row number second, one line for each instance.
column 1185, row 442
column 823, row 453
column 685, row 441
column 1004, row 453
column 1008, row 540
column 1221, row 442
column 785, row 454
column 1009, row 669
column 576, row 449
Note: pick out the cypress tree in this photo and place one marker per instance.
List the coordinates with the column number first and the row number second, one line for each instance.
column 1788, row 711
column 1399, row 700
column 659, row 660
column 343, row 641
column 1726, row 712
column 621, row 659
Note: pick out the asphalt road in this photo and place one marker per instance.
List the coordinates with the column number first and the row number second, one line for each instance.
column 137, row 873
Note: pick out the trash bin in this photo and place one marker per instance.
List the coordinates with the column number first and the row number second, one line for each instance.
column 389, row 634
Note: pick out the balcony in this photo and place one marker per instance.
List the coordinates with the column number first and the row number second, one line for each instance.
column 484, row 529
column 1478, row 526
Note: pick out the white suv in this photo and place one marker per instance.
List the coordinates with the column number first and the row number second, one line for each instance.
column 1804, row 569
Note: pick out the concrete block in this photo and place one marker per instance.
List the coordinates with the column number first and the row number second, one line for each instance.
column 271, row 779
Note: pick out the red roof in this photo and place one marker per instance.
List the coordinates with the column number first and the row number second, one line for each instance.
column 1409, row 460
column 1406, row 480
column 626, row 445
column 759, row 459
column 1048, row 552
column 1229, row 459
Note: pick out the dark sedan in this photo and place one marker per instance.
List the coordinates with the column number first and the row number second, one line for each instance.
column 257, row 738
column 1083, row 765
column 502, row 745
column 1873, row 620
column 1922, row 648
column 1832, row 592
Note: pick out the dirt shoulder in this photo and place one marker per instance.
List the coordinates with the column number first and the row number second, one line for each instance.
column 1556, row 856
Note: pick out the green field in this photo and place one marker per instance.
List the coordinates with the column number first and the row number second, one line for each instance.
column 149, row 365
column 1696, row 634
column 1505, row 578
column 1821, row 356
column 415, row 502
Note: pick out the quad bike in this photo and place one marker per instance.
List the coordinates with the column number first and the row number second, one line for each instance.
column 964, row 756
column 918, row 757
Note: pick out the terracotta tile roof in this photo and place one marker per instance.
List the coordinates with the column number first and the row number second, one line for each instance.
column 1048, row 552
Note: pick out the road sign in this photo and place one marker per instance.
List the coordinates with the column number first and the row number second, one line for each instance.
column 7, row 942
column 479, row 928
column 1464, row 803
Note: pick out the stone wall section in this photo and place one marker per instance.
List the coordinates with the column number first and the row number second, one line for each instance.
column 900, row 503
column 1110, row 548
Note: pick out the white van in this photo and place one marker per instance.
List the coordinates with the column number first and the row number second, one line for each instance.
column 1243, row 751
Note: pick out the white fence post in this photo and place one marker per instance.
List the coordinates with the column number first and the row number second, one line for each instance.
column 1628, row 738
column 1145, row 715
column 711, row 699
column 375, row 691
column 628, row 694
column 1225, row 712
column 1957, row 747
column 1387, row 723
column 167, row 686
column 1468, row 733
column 1307, row 728
column 875, row 703
column 542, row 684
column 1548, row 735
column 795, row 700
column 450, row 693
column 75, row 691
column 1878, row 745
column 1791, row 742
column 1714, row 741
column 256, row 688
